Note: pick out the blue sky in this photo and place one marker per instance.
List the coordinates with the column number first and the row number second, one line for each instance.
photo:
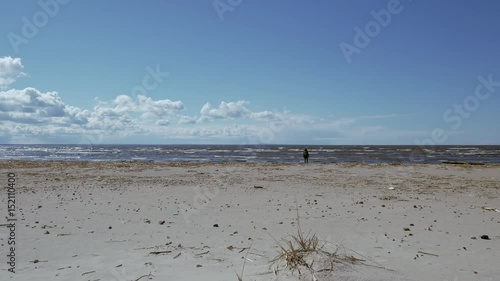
column 250, row 72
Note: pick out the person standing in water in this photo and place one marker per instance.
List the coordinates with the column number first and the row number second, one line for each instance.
column 306, row 156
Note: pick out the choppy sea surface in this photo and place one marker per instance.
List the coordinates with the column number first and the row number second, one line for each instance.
column 254, row 153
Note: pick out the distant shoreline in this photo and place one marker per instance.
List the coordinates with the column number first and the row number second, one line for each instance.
column 278, row 154
column 23, row 164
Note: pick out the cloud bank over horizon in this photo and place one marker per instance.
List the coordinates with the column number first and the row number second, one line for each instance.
column 31, row 116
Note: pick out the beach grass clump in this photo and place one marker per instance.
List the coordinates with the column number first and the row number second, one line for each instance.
column 307, row 255
column 294, row 252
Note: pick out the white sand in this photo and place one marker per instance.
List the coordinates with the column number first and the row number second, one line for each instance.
column 101, row 221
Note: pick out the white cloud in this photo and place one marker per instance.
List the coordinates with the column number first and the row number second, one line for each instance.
column 126, row 112
column 224, row 110
column 159, row 108
column 10, row 70
column 187, row 119
column 32, row 106
column 29, row 115
column 124, row 104
column 265, row 116
column 162, row 122
column 146, row 106
column 235, row 110
column 29, row 112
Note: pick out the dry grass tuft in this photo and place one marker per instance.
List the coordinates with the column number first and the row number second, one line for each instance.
column 306, row 254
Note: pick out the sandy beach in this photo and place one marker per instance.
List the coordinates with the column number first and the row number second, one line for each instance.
column 114, row 221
